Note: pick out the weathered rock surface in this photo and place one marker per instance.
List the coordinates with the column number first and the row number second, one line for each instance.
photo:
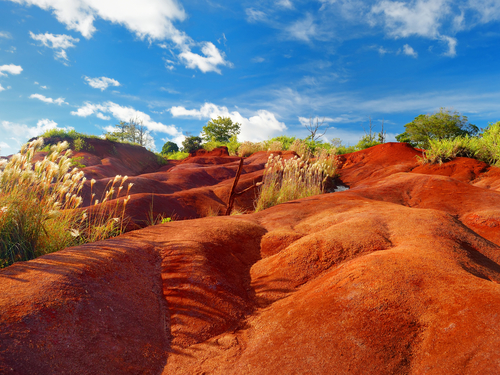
column 399, row 274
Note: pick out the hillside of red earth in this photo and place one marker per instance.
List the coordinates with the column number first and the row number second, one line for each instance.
column 397, row 275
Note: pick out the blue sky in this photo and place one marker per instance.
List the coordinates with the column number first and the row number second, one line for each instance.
column 269, row 65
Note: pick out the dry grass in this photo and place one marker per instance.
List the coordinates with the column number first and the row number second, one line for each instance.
column 39, row 205
column 295, row 178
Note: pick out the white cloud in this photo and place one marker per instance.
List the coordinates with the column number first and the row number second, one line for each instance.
column 150, row 19
column 381, row 50
column 208, row 63
column 59, row 43
column 102, row 117
column 303, row 30
column 452, row 44
column 58, row 101
column 254, row 15
column 258, row 59
column 169, row 90
column 2, row 88
column 419, row 18
column 263, row 125
column 122, row 113
column 101, row 83
column 488, row 10
column 325, row 120
column 11, row 69
column 285, row 4
column 147, row 19
column 12, row 49
column 5, row 34
column 18, row 134
column 408, row 50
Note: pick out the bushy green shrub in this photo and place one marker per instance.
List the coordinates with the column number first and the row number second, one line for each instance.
column 485, row 147
column 179, row 155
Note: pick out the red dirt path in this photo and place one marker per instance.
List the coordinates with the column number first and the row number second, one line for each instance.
column 399, row 274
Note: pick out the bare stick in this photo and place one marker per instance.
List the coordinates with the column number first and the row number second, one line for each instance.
column 233, row 188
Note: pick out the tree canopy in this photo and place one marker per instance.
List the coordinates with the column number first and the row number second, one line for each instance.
column 191, row 144
column 220, row 129
column 133, row 131
column 169, row 147
column 443, row 124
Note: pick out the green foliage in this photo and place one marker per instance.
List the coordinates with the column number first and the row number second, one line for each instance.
column 179, row 155
column 285, row 141
column 75, row 162
column 191, row 144
column 221, row 129
column 233, row 145
column 134, row 132
column 169, row 147
column 212, row 144
column 367, row 141
column 485, row 147
column 443, row 124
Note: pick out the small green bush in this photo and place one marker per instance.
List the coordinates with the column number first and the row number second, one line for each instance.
column 485, row 147
column 180, row 155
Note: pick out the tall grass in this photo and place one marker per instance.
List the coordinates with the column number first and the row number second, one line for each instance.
column 295, row 178
column 486, row 147
column 39, row 206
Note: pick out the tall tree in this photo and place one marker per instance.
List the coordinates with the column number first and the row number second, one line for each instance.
column 220, row 129
column 443, row 124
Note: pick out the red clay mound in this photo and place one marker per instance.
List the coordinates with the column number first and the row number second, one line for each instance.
column 398, row 275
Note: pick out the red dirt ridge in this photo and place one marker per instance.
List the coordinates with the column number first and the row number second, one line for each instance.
column 397, row 275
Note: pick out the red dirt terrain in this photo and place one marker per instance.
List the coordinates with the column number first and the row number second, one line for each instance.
column 397, row 275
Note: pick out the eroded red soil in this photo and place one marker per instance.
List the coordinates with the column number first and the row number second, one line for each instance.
column 399, row 274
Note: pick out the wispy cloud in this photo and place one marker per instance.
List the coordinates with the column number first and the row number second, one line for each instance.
column 285, row 4
column 123, row 113
column 5, row 34
column 101, row 83
column 58, row 101
column 303, row 30
column 254, row 15
column 2, row 88
column 408, row 50
column 262, row 125
column 59, row 43
column 10, row 69
column 424, row 18
column 258, row 59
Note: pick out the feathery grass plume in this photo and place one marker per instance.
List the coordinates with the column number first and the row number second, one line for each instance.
column 275, row 146
column 106, row 216
column 301, row 148
column 40, row 205
column 248, row 148
column 295, row 178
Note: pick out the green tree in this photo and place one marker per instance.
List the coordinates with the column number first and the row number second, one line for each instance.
column 191, row 144
column 443, row 124
column 169, row 147
column 220, row 129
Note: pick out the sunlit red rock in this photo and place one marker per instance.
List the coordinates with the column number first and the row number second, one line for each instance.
column 397, row 275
